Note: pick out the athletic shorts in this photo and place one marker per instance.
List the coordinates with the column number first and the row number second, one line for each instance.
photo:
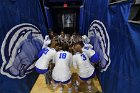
column 63, row 82
column 87, row 78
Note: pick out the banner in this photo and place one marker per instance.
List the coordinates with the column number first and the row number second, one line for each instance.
column 21, row 25
column 117, row 42
column 88, row 10
column 49, row 17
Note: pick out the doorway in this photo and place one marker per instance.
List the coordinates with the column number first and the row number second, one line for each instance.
column 65, row 19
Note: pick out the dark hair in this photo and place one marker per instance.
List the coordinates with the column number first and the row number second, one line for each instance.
column 79, row 43
column 70, row 49
column 65, row 47
column 57, row 44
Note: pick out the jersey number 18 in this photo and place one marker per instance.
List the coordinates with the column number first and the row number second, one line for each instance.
column 62, row 56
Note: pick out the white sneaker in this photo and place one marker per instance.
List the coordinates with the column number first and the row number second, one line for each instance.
column 54, row 86
column 61, row 89
column 69, row 90
column 76, row 88
column 89, row 89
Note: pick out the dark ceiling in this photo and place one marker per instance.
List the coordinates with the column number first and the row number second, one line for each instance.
column 60, row 3
column 64, row 0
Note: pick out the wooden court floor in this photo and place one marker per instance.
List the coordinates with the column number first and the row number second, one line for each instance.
column 41, row 87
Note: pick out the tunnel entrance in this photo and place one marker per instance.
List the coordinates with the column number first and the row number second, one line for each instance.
column 66, row 20
column 65, row 16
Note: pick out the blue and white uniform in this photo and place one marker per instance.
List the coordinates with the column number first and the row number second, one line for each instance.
column 43, row 62
column 86, row 70
column 92, row 55
column 88, row 49
column 47, row 41
column 88, row 45
column 61, row 72
column 86, row 42
column 85, row 39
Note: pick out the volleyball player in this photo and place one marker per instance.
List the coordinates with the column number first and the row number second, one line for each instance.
column 61, row 73
column 88, row 49
column 86, row 70
column 45, row 57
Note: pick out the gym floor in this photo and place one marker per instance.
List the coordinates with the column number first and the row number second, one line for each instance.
column 41, row 86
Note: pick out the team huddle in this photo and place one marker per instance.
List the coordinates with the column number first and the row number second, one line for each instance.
column 64, row 52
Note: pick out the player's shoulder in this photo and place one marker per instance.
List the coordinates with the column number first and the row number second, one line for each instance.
column 90, row 45
column 85, row 53
column 46, row 48
column 52, row 50
column 60, row 51
column 77, row 54
column 68, row 52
